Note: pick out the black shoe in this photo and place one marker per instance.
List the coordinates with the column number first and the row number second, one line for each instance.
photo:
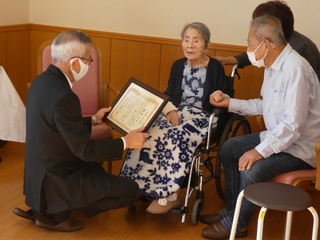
column 69, row 225
column 26, row 214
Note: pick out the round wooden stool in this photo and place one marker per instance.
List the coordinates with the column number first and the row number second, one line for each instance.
column 276, row 196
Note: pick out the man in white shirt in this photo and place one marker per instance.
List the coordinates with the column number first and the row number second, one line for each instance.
column 291, row 111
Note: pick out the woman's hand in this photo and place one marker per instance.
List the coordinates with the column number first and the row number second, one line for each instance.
column 219, row 99
column 173, row 117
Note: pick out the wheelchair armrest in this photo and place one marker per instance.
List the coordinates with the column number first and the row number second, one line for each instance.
column 213, row 123
column 220, row 110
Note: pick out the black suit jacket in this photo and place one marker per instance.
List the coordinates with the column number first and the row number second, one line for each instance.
column 60, row 156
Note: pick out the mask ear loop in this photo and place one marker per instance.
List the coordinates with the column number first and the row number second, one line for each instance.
column 258, row 46
column 272, row 45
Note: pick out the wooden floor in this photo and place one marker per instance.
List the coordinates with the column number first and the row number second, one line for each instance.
column 127, row 223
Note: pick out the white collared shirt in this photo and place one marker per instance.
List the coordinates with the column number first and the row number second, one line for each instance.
column 70, row 83
column 290, row 106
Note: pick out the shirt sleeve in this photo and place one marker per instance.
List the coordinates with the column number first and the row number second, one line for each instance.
column 250, row 107
column 168, row 108
column 243, row 60
column 124, row 143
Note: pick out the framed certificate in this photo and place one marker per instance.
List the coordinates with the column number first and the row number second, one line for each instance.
column 136, row 106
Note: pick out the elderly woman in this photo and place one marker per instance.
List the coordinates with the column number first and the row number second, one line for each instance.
column 160, row 167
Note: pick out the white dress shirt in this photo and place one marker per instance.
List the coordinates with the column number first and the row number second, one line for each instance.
column 12, row 111
column 290, row 106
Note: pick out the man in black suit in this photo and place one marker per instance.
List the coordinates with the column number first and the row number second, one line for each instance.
column 62, row 169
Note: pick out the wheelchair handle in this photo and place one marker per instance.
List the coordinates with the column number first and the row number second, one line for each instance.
column 235, row 71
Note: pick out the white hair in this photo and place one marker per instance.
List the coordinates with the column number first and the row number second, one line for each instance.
column 69, row 44
column 268, row 27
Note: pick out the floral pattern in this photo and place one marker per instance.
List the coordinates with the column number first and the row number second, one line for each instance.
column 162, row 164
column 160, row 167
column 193, row 84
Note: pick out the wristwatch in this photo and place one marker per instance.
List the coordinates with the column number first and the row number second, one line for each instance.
column 94, row 119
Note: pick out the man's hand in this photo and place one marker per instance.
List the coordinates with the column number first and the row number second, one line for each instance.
column 136, row 138
column 173, row 117
column 219, row 99
column 249, row 158
column 100, row 114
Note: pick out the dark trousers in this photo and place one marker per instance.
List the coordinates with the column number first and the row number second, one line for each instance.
column 124, row 192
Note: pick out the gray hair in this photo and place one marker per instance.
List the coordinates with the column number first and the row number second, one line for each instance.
column 201, row 28
column 268, row 27
column 69, row 44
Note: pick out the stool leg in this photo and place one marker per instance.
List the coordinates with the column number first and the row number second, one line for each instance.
column 288, row 225
column 236, row 216
column 262, row 214
column 315, row 223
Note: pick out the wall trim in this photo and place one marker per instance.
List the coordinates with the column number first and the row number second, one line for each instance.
column 10, row 28
column 169, row 41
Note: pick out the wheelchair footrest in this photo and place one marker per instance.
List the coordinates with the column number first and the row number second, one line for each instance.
column 180, row 210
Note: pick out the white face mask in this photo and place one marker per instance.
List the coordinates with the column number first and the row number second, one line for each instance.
column 254, row 61
column 83, row 69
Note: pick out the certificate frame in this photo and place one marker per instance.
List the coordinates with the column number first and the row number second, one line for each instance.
column 137, row 105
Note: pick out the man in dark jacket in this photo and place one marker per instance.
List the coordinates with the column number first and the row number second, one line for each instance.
column 62, row 169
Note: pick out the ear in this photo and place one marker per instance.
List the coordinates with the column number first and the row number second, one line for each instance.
column 208, row 46
column 74, row 65
column 269, row 43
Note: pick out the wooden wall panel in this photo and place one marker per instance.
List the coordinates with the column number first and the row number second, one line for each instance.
column 140, row 60
column 148, row 59
column 18, row 60
column 38, row 37
column 169, row 54
column 3, row 53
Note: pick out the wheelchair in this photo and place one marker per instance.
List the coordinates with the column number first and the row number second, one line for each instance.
column 206, row 156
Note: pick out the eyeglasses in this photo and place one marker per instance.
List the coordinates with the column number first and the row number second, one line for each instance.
column 90, row 60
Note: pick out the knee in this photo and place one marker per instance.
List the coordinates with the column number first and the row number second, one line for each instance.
column 234, row 148
column 249, row 177
column 133, row 189
column 226, row 147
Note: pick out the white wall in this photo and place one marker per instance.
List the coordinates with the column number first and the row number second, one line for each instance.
column 228, row 20
column 14, row 12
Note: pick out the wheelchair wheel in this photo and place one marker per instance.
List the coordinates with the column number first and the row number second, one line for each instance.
column 196, row 211
column 237, row 125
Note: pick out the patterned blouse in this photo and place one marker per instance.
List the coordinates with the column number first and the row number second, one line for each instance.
column 192, row 84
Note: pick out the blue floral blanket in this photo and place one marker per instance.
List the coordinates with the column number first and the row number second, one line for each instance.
column 161, row 165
